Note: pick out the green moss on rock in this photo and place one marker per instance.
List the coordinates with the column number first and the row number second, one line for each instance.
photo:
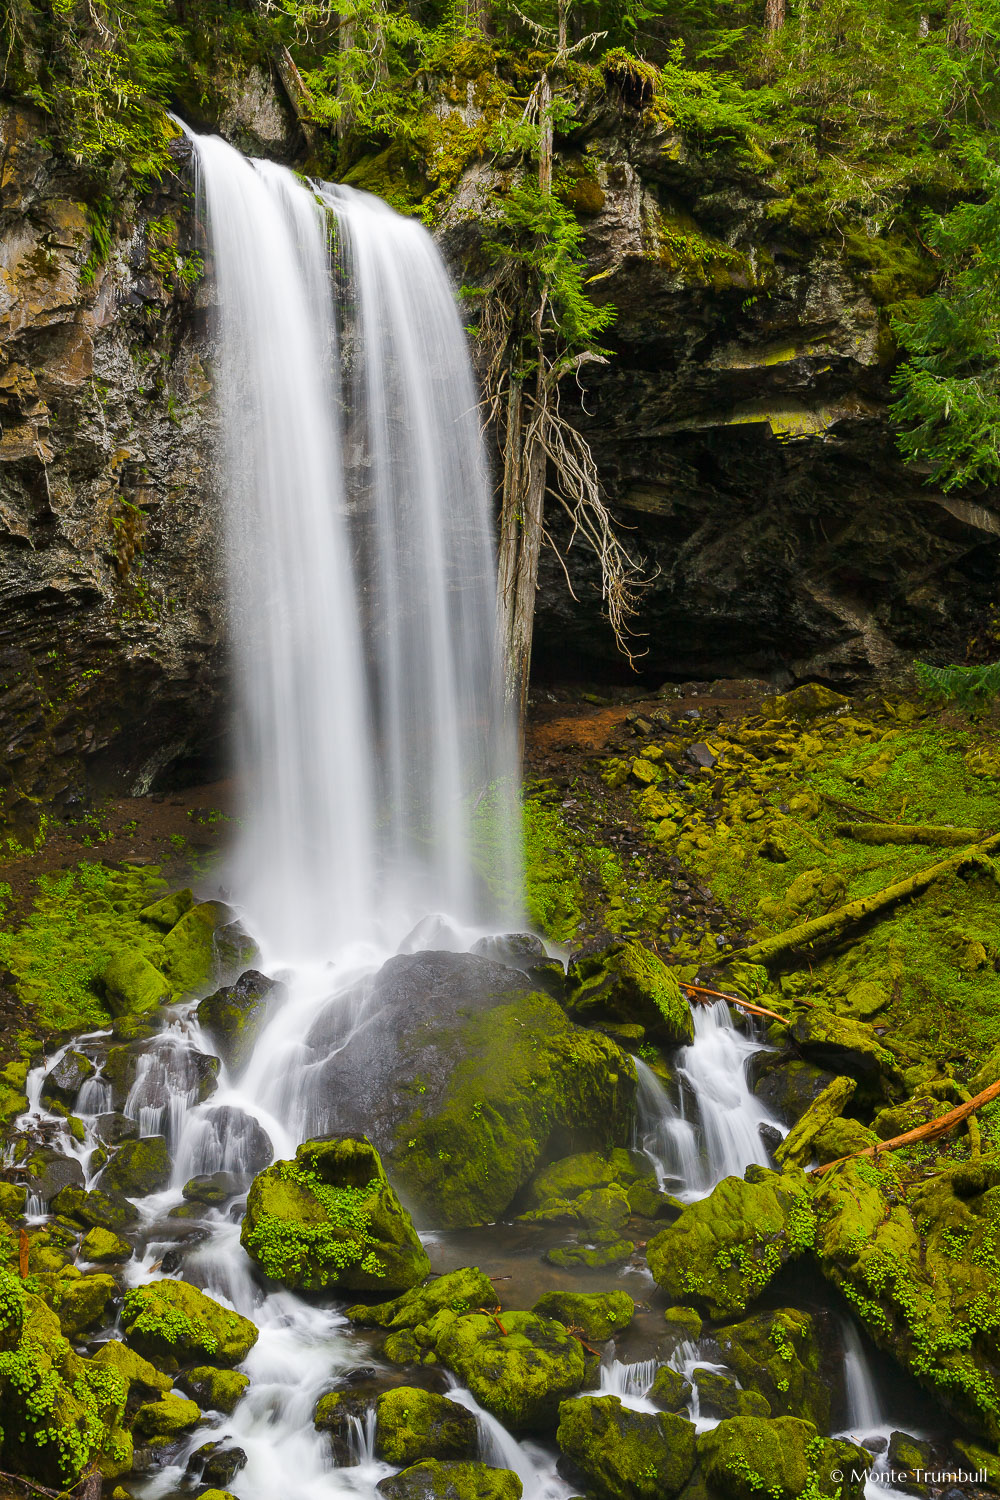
column 629, row 983
column 131, row 984
column 176, row 1323
column 331, row 1220
column 462, row 1291
column 137, row 1168
column 519, row 1372
column 189, row 948
column 776, row 1354
column 596, row 1315
column 412, row 1424
column 163, row 1421
column 623, row 1454
column 747, row 1458
column 722, row 1251
column 235, row 1015
column 214, row 1390
column 433, row 1480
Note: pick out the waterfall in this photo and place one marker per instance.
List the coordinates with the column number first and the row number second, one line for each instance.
column 712, row 1129
column 371, row 745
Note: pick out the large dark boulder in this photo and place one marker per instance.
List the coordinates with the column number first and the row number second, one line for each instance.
column 466, row 1080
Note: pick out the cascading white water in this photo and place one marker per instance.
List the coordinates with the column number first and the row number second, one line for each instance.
column 712, row 1129
column 361, row 580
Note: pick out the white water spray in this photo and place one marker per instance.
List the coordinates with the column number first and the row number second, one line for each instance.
column 371, row 741
column 711, row 1129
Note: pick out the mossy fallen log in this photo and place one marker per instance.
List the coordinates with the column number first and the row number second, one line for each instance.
column 833, row 923
column 928, row 1132
column 910, row 833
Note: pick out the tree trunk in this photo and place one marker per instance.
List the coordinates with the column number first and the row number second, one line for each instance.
column 478, row 14
column 774, row 17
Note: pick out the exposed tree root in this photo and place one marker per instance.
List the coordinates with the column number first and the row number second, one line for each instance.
column 928, row 1132
column 699, row 992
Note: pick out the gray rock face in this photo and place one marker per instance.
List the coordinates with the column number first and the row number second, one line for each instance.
column 742, row 432
column 109, row 589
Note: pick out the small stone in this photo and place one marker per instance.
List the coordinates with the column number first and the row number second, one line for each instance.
column 131, row 983
column 101, row 1245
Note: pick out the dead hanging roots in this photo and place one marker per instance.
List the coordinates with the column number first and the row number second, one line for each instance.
column 543, row 426
column 578, row 491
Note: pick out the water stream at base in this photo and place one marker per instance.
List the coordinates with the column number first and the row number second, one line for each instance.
column 377, row 771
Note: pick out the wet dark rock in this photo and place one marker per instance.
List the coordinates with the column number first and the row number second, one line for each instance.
column 50, row 1171
column 786, row 1085
column 216, row 1465
column 114, row 1127
column 147, row 1075
column 453, row 1062
column 338, row 1414
column 700, row 755
column 235, row 1015
column 228, row 1141
column 67, row 1078
column 518, row 950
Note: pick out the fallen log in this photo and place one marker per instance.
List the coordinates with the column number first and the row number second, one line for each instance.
column 832, row 923
column 698, row 990
column 909, row 833
column 928, row 1132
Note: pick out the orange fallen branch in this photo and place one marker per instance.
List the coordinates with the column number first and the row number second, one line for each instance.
column 928, row 1132
column 755, row 1010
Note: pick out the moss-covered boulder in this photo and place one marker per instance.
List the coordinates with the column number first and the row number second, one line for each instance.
column 96, row 1208
column 189, row 948
column 669, row 1389
column 917, row 1261
column 787, row 1085
column 433, row 1480
column 167, row 912
column 842, row 1138
column 462, row 1291
column 162, row 1422
column 412, row 1424
column 797, row 1147
column 131, row 984
column 595, row 1315
column 846, row 1046
column 142, row 1378
column 519, row 1366
column 235, row 1015
column 213, row 1389
column 627, row 982
column 61, row 1413
column 330, row 1219
column 720, row 1397
column 177, row 1324
column 342, row 1415
column 13, row 1100
column 776, row 1353
column 83, row 1303
column 624, row 1454
column 723, row 1250
column 784, row 1458
column 13, row 1199
column 467, row 1082
column 103, row 1246
column 137, row 1168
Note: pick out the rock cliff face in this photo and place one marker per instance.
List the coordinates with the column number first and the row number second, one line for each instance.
column 742, row 432
column 110, row 666
column 741, row 428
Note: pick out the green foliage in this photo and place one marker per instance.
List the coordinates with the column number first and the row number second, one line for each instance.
column 949, row 389
column 101, row 72
column 287, row 1248
column 78, row 920
column 538, row 234
column 970, row 687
